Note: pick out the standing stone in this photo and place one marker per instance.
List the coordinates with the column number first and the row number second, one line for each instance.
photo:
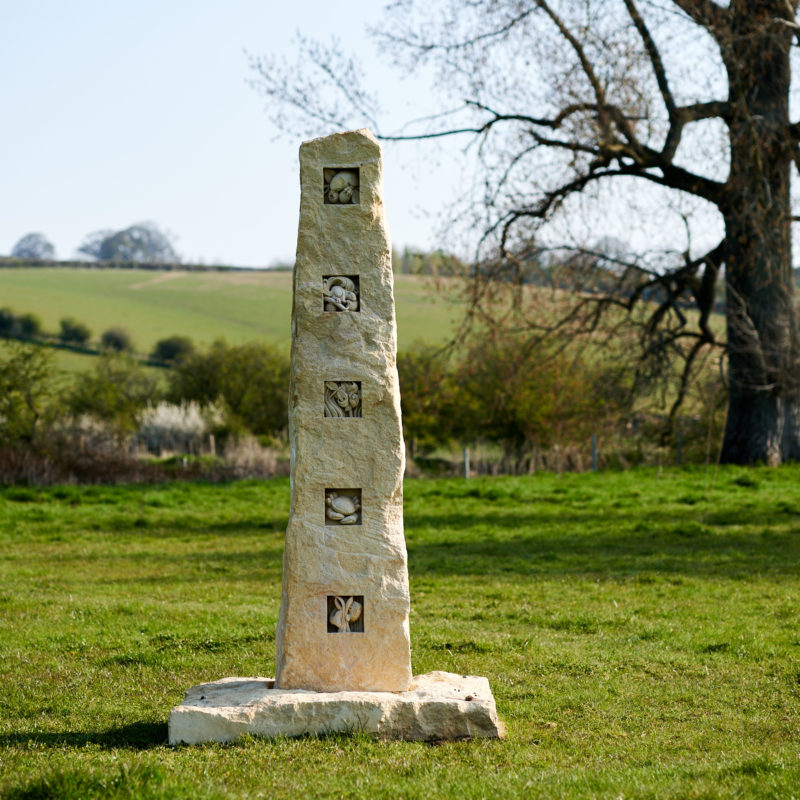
column 343, row 660
column 343, row 621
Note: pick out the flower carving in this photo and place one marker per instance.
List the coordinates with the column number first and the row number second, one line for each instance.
column 342, row 399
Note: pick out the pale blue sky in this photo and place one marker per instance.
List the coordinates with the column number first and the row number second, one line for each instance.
column 116, row 112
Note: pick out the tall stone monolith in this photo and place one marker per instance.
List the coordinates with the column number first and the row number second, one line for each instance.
column 343, row 621
column 343, row 660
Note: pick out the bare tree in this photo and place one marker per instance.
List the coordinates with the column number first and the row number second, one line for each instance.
column 574, row 107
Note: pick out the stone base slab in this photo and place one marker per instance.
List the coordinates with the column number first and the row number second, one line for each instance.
column 439, row 705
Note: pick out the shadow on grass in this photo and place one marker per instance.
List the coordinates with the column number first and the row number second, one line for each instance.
column 725, row 543
column 242, row 565
column 622, row 545
column 136, row 736
column 178, row 526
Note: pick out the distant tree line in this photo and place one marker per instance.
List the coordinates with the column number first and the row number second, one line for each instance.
column 142, row 243
column 522, row 397
column 247, row 384
column 525, row 403
column 72, row 332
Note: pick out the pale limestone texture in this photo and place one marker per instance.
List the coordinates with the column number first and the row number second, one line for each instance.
column 343, row 621
column 343, row 654
column 439, row 705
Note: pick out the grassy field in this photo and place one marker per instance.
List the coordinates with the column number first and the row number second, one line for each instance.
column 239, row 306
column 66, row 362
column 639, row 631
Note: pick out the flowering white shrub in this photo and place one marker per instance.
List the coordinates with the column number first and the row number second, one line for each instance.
column 176, row 428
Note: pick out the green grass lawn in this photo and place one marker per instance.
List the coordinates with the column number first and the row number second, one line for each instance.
column 237, row 306
column 639, row 630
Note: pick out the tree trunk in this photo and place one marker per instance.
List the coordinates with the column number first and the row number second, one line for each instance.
column 762, row 336
column 791, row 432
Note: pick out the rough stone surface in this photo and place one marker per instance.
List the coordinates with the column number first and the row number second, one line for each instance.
column 345, row 535
column 343, row 652
column 439, row 705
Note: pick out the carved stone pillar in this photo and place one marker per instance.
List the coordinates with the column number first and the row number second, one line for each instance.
column 344, row 606
column 343, row 660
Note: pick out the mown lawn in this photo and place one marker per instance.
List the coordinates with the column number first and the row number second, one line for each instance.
column 640, row 632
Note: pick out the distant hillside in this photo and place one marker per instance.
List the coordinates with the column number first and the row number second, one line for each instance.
column 238, row 305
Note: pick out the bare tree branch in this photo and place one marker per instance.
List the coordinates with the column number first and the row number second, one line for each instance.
column 586, row 66
column 700, row 111
column 655, row 60
column 429, row 46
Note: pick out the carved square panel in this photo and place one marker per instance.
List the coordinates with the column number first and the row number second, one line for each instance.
column 342, row 399
column 341, row 293
column 343, row 506
column 341, row 185
column 345, row 613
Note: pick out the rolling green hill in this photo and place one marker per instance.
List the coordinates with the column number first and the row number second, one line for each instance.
column 238, row 306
